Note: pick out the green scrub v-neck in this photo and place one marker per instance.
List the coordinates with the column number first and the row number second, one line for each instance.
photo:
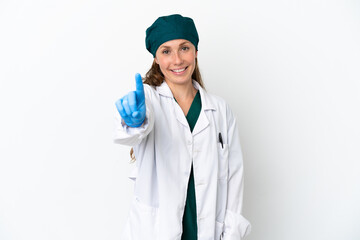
column 190, row 216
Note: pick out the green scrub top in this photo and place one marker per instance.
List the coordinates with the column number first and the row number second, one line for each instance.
column 190, row 216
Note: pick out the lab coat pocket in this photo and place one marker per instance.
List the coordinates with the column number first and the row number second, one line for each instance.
column 144, row 220
column 219, row 228
column 223, row 153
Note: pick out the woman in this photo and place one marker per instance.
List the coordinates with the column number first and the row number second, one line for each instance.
column 189, row 170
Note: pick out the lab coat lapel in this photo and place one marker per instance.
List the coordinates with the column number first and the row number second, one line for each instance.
column 165, row 91
column 180, row 114
column 201, row 123
column 206, row 105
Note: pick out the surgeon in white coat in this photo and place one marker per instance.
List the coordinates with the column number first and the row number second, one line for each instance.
column 188, row 174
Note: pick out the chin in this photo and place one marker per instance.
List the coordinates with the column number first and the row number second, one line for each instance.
column 181, row 81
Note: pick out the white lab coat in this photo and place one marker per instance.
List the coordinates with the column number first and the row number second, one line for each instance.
column 165, row 148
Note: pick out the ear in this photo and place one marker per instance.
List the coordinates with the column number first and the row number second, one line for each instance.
column 156, row 60
column 196, row 54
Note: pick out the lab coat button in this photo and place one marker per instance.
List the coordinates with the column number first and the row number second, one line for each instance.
column 189, row 142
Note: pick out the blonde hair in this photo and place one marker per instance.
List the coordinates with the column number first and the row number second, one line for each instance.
column 154, row 77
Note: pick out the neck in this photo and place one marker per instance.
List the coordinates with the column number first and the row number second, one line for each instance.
column 183, row 92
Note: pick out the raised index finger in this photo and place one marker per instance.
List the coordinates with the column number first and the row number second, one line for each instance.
column 139, row 85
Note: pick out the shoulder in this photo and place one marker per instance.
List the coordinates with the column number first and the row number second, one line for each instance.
column 149, row 90
column 219, row 103
column 216, row 100
column 220, row 107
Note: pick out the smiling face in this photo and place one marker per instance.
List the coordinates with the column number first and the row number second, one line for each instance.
column 176, row 59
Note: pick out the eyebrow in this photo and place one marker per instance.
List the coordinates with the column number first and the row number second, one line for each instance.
column 183, row 43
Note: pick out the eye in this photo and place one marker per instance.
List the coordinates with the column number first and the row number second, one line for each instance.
column 165, row 51
column 185, row 48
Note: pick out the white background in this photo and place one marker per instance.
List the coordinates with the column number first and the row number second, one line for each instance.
column 289, row 70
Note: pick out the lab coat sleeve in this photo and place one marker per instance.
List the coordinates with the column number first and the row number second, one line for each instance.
column 236, row 227
column 130, row 136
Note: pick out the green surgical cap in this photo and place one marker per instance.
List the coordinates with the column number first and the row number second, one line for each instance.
column 168, row 28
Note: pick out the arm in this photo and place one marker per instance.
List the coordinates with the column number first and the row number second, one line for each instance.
column 236, row 227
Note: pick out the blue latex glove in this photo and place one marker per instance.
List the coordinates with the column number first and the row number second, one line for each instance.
column 132, row 107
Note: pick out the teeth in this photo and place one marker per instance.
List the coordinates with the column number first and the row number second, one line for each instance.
column 178, row 70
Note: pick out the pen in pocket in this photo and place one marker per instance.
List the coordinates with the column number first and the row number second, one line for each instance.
column 221, row 141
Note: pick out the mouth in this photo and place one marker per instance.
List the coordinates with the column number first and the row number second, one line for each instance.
column 179, row 71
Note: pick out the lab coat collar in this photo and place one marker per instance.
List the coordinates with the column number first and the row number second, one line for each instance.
column 206, row 102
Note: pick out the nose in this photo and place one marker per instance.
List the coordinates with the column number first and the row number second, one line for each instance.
column 177, row 58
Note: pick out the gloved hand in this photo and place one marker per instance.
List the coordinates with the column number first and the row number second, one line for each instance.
column 132, row 107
